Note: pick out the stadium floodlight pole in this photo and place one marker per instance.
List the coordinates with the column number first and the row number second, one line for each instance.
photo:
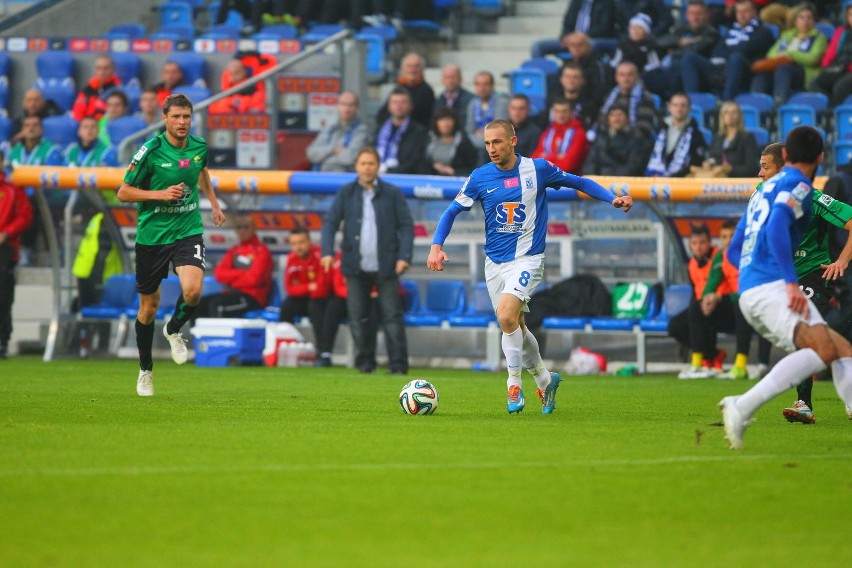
column 123, row 148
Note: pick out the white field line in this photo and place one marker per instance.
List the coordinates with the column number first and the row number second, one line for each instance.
column 369, row 467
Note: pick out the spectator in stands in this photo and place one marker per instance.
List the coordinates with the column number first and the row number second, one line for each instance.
column 572, row 88
column 835, row 78
column 701, row 329
column 378, row 238
column 630, row 93
column 595, row 18
column 33, row 149
column 620, row 149
column 563, row 142
column 149, row 107
column 746, row 41
column 696, row 38
column 733, row 151
column 252, row 98
column 15, row 216
column 793, row 61
column 246, row 274
column 171, row 76
column 422, row 96
column 597, row 74
column 335, row 147
column 90, row 100
column 306, row 282
column 116, row 107
column 454, row 96
column 526, row 129
column 485, row 107
column 657, row 10
column 638, row 47
column 245, row 8
column 355, row 13
column 450, row 152
column 88, row 151
column 34, row 104
column 400, row 140
column 680, row 143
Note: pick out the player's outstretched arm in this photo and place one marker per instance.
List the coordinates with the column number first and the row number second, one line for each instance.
column 437, row 258
column 836, row 269
column 207, row 187
column 130, row 194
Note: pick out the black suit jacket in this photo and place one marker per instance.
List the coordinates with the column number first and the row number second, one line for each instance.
column 602, row 18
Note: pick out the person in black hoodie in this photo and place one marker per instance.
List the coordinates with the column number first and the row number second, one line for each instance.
column 620, row 149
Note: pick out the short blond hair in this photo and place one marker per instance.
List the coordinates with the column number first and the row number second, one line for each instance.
column 507, row 126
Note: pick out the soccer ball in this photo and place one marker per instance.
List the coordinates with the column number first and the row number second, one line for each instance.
column 418, row 397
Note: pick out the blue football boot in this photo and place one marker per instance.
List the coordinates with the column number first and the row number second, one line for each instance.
column 548, row 395
column 515, row 399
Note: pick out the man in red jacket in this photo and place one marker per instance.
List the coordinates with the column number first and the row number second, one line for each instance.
column 15, row 216
column 246, row 273
column 563, row 142
column 90, row 100
column 307, row 284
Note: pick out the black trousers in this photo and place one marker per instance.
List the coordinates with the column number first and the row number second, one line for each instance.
column 230, row 305
column 7, row 291
column 702, row 330
column 336, row 313
column 314, row 308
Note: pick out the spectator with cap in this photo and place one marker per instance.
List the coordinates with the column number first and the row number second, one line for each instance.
column 639, row 46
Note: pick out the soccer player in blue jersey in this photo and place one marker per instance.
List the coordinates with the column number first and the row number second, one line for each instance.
column 771, row 300
column 512, row 192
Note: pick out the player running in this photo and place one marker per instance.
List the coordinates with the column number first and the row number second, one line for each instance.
column 766, row 239
column 512, row 192
column 163, row 179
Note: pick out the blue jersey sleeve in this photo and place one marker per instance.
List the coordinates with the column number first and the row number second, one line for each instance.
column 446, row 222
column 735, row 247
column 552, row 176
column 778, row 241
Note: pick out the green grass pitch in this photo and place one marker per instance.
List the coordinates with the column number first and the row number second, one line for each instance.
column 320, row 467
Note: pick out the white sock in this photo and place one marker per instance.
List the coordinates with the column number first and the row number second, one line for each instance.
column 841, row 370
column 532, row 360
column 789, row 372
column 512, row 346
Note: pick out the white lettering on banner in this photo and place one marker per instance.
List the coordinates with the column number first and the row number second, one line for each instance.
column 725, row 191
column 428, row 192
column 607, row 229
column 16, row 44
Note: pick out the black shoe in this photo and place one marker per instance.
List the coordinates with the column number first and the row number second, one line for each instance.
column 4, row 352
column 323, row 361
column 398, row 371
column 366, row 369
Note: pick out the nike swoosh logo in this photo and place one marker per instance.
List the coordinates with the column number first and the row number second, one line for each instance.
column 492, row 189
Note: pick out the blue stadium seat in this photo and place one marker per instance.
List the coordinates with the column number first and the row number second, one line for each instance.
column 444, row 298
column 826, row 29
column 195, row 94
column 375, row 56
column 675, row 299
column 170, row 291
column 751, row 116
column 5, row 128
column 774, row 30
column 791, row 116
column 410, row 296
column 533, row 84
column 708, row 135
column 175, row 13
column 842, row 150
column 480, row 312
column 120, row 128
column 761, row 135
column 320, row 32
column 193, row 66
column 818, row 101
column 548, row 66
column 211, row 286
column 126, row 31
column 386, row 31
column 128, row 67
column 610, row 323
column 565, row 323
column 843, row 121
column 281, row 31
column 174, row 32
column 697, row 113
column 708, row 102
column 119, row 295
column 61, row 130
column 223, row 31
column 62, row 93
column 57, row 65
column 764, row 104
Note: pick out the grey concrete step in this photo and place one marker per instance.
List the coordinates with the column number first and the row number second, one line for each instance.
column 519, row 25
column 542, row 8
column 484, row 42
column 498, row 62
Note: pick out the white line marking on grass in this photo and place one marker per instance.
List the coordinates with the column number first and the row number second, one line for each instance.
column 341, row 467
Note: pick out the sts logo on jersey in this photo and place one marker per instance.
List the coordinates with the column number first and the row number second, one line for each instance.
column 511, row 215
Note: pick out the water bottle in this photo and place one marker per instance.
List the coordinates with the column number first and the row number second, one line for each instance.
column 84, row 344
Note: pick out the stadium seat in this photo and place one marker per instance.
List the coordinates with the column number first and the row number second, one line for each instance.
column 4, row 94
column 386, row 31
column 675, row 299
column 61, row 130
column 791, row 116
column 128, row 67
column 842, row 150
column 707, row 102
column 548, row 66
column 282, row 31
column 565, row 323
column 56, row 65
column 126, row 31
column 221, row 31
column 444, row 298
column 375, row 56
column 480, row 312
column 843, row 122
column 174, row 32
column 120, row 128
column 761, row 135
column 195, row 94
column 751, row 116
column 170, row 291
column 119, row 292
column 62, row 93
column 410, row 296
column 708, row 135
column 320, row 32
column 826, row 29
column 211, row 286
column 533, row 84
column 774, row 30
column 658, row 102
column 5, row 128
column 193, row 66
column 764, row 104
column 697, row 113
column 611, row 323
column 818, row 101
column 175, row 13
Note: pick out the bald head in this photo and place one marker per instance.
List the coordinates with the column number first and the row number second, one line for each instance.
column 411, row 68
column 451, row 77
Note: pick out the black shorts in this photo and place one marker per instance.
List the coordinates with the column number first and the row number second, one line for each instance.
column 817, row 290
column 152, row 261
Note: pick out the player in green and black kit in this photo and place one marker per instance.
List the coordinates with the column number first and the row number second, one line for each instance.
column 813, row 265
column 163, row 179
